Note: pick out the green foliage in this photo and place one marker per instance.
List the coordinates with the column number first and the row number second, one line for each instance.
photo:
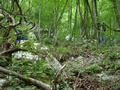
column 63, row 50
column 54, row 16
column 111, row 63
column 36, row 69
column 3, row 62
column 116, row 86
column 115, row 54
column 93, row 69
column 115, row 65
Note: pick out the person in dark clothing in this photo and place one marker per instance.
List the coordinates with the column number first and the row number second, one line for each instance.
column 102, row 28
column 20, row 36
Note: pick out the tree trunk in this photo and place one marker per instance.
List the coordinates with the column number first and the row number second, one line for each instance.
column 116, row 12
column 75, row 23
column 70, row 15
column 82, row 20
column 58, row 20
column 93, row 20
column 39, row 27
column 96, row 18
column 55, row 28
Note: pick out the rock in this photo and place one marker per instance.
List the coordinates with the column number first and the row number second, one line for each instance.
column 106, row 77
column 1, row 16
column 44, row 48
column 2, row 82
column 26, row 55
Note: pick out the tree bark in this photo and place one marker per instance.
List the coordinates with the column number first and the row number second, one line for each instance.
column 96, row 19
column 82, row 25
column 62, row 13
column 93, row 20
column 70, row 15
column 55, row 28
column 75, row 22
column 116, row 12
column 39, row 29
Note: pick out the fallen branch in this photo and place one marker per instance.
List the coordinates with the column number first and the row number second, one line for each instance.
column 55, row 64
column 58, row 73
column 30, row 80
column 12, row 50
column 76, row 81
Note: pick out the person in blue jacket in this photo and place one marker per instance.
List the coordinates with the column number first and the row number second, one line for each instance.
column 102, row 28
column 20, row 37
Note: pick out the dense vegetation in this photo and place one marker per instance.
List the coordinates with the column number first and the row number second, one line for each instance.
column 60, row 44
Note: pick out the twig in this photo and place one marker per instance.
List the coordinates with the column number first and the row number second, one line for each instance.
column 60, row 71
column 76, row 81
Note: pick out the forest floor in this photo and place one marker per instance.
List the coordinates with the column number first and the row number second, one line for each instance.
column 88, row 67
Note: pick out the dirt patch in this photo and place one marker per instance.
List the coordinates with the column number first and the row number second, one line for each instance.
column 87, row 83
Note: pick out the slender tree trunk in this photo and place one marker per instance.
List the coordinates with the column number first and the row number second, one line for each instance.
column 70, row 15
column 39, row 27
column 96, row 19
column 116, row 12
column 86, row 20
column 55, row 28
column 75, row 23
column 81, row 17
column 70, row 18
column 93, row 20
column 80, row 11
column 96, row 13
column 58, row 20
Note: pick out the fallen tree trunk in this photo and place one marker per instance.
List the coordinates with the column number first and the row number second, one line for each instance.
column 27, row 79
